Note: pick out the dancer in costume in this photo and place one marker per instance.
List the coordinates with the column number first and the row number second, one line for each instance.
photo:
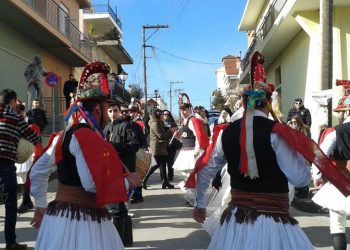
column 90, row 175
column 194, row 140
column 260, row 163
column 335, row 144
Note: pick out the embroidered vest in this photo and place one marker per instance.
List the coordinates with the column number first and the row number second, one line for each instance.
column 271, row 178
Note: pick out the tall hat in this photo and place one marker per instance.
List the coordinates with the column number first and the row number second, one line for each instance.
column 256, row 95
column 184, row 103
column 343, row 104
column 93, row 84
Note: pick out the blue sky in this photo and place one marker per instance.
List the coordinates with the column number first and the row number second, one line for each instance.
column 204, row 31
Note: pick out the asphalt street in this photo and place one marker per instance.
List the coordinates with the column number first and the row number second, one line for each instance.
column 163, row 221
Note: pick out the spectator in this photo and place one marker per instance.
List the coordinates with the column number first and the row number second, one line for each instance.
column 23, row 168
column 123, row 138
column 37, row 116
column 296, row 123
column 160, row 136
column 70, row 90
column 12, row 128
column 173, row 145
column 138, row 127
column 301, row 111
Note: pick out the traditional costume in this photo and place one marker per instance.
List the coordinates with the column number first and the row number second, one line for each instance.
column 335, row 144
column 193, row 137
column 90, row 175
column 262, row 156
column 194, row 140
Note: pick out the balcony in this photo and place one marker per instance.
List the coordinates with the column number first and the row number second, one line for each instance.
column 272, row 35
column 102, row 18
column 47, row 24
column 118, row 92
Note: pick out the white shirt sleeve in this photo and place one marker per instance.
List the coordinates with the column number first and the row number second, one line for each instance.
column 83, row 170
column 217, row 162
column 328, row 145
column 291, row 163
column 39, row 176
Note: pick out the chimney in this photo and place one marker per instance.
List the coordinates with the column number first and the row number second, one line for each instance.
column 232, row 64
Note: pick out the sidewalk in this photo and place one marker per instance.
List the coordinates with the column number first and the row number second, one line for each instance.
column 163, row 221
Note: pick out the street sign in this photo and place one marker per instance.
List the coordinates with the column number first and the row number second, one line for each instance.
column 52, row 80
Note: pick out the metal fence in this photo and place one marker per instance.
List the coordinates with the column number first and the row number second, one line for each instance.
column 269, row 20
column 59, row 19
column 105, row 8
column 271, row 16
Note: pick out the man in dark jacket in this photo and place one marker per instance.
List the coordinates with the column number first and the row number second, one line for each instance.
column 70, row 89
column 301, row 111
column 37, row 116
column 124, row 139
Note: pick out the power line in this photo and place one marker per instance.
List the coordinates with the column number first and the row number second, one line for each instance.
column 185, row 59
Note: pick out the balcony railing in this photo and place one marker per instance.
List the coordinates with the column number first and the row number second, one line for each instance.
column 104, row 8
column 269, row 20
column 59, row 19
column 246, row 58
column 272, row 14
column 118, row 92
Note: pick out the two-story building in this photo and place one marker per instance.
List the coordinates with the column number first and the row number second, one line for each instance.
column 227, row 79
column 67, row 34
column 287, row 33
column 102, row 25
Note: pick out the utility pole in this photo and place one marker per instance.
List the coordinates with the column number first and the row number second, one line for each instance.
column 170, row 94
column 177, row 91
column 144, row 56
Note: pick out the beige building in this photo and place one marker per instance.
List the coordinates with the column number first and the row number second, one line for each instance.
column 104, row 28
column 47, row 28
column 67, row 34
column 287, row 33
column 227, row 79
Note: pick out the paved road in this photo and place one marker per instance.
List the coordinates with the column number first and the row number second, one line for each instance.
column 163, row 221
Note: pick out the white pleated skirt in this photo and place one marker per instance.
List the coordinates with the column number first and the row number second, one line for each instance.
column 22, row 170
column 184, row 160
column 263, row 234
column 330, row 197
column 62, row 232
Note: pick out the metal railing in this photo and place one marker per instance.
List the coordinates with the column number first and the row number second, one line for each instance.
column 104, row 8
column 270, row 18
column 118, row 92
column 246, row 58
column 268, row 21
column 60, row 105
column 59, row 19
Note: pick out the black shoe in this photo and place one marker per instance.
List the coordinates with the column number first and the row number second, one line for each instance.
column 23, row 208
column 30, row 205
column 144, row 186
column 167, row 185
column 16, row 246
column 136, row 200
column 302, row 193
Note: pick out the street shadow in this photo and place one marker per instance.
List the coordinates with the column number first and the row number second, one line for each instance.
column 198, row 240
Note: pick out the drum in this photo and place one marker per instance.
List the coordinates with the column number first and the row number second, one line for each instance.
column 24, row 150
column 143, row 162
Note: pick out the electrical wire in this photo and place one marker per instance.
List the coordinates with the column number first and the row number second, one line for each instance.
column 185, row 59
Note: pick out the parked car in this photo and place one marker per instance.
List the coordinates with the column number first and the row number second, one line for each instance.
column 213, row 116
